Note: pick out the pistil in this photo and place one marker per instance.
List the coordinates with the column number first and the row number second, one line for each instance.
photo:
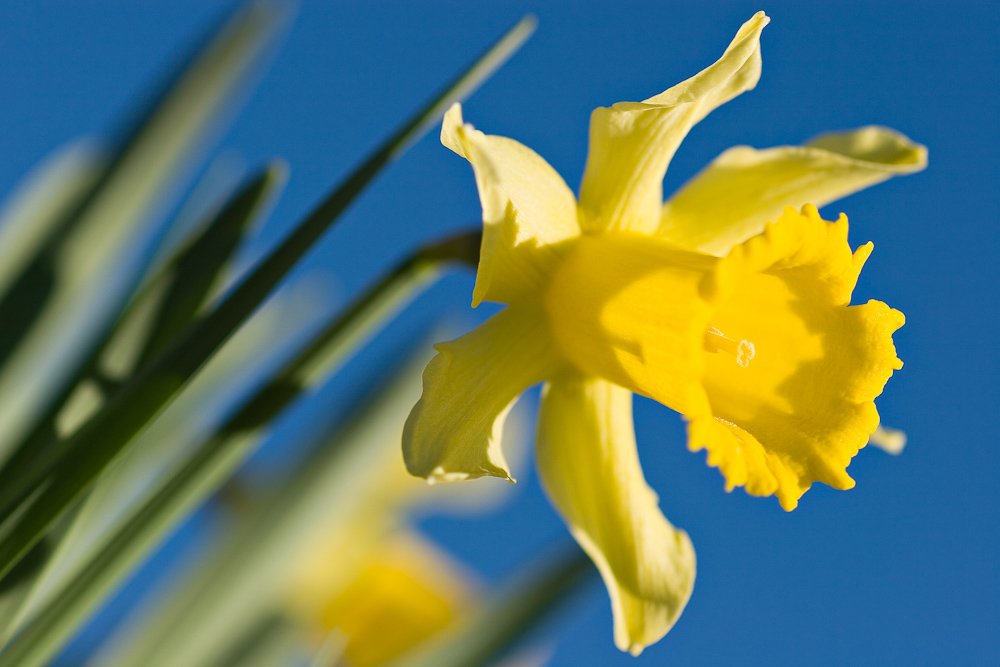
column 716, row 341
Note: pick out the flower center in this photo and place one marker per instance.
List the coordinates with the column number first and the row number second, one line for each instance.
column 635, row 310
column 716, row 341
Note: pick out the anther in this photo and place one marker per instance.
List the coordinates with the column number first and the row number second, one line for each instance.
column 715, row 341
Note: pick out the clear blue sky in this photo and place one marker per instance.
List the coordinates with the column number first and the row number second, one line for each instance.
column 901, row 570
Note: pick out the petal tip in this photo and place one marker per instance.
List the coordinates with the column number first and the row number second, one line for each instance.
column 889, row 440
column 875, row 147
column 452, row 128
column 760, row 18
column 478, row 293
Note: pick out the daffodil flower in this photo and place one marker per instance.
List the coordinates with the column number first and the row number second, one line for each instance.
column 729, row 303
column 380, row 595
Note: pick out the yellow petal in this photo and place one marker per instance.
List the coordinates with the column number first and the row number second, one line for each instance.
column 742, row 189
column 632, row 143
column 588, row 463
column 760, row 350
column 454, row 430
column 527, row 210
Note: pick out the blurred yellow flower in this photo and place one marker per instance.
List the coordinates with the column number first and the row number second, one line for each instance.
column 740, row 324
column 383, row 599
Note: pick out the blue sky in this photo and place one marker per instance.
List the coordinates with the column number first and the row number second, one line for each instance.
column 903, row 569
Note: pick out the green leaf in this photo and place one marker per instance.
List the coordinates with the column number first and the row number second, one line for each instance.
column 30, row 218
column 17, row 587
column 45, row 197
column 65, row 298
column 100, row 440
column 273, row 641
column 37, row 642
column 199, row 267
column 102, row 561
column 169, row 303
column 172, row 440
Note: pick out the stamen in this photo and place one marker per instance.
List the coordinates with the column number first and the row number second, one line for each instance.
column 743, row 350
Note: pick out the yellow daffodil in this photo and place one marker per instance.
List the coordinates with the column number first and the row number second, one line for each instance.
column 729, row 303
column 381, row 598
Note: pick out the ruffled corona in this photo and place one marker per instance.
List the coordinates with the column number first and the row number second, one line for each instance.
column 760, row 350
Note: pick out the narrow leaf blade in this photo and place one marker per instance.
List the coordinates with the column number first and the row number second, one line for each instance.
column 171, row 300
column 56, row 613
column 78, row 281
column 105, row 435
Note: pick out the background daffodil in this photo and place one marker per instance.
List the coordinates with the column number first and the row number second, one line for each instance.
column 741, row 326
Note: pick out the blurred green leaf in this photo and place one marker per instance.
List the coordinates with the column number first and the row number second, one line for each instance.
column 17, row 587
column 273, row 641
column 97, row 443
column 200, row 266
column 118, row 488
column 111, row 559
column 28, row 219
column 72, row 283
column 167, row 305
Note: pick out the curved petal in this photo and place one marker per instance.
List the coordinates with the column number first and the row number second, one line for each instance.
column 588, row 463
column 632, row 143
column 743, row 188
column 453, row 432
column 527, row 208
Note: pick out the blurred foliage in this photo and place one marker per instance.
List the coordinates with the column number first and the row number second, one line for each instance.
column 134, row 383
